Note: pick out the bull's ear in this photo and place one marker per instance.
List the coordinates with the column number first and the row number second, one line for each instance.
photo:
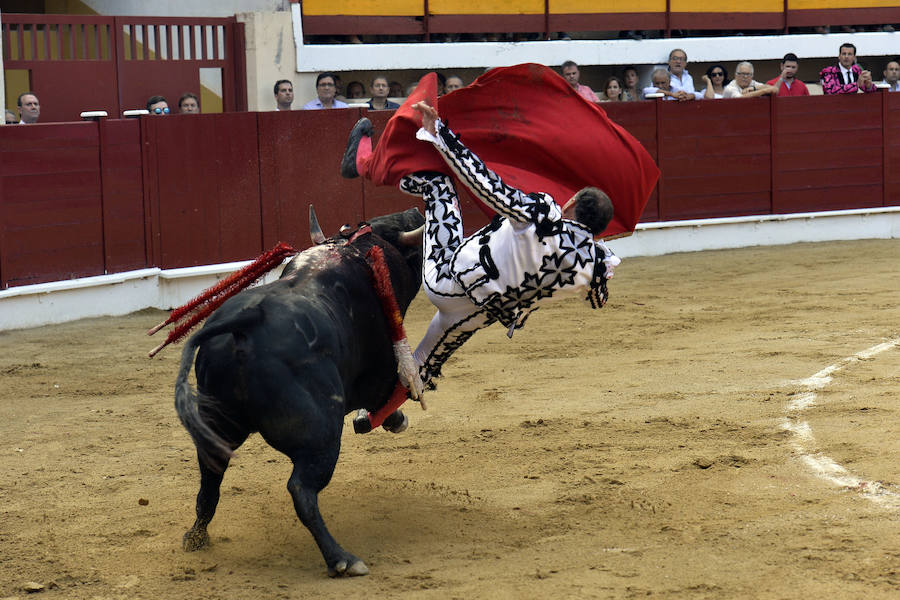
column 315, row 231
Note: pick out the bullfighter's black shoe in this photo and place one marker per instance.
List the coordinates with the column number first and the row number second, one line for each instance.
column 363, row 128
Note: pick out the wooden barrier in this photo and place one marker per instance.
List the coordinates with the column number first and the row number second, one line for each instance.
column 427, row 17
column 79, row 199
column 77, row 63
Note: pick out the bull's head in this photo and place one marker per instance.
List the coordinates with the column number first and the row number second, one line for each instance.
column 402, row 230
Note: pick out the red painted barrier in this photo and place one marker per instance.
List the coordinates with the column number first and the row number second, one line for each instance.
column 81, row 199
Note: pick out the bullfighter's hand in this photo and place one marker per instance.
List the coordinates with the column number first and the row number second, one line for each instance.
column 429, row 116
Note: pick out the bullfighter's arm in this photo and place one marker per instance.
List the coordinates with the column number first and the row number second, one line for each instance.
column 520, row 208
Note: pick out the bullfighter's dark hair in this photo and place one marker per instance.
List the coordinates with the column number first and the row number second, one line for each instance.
column 847, row 45
column 593, row 209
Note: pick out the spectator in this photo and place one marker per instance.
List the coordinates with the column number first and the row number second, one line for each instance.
column 338, row 87
column 379, row 92
column 661, row 82
column 10, row 118
column 892, row 75
column 189, row 104
column 846, row 77
column 29, row 108
column 284, row 94
column 613, row 90
column 716, row 79
column 744, row 86
column 395, row 89
column 326, row 90
column 453, row 84
column 356, row 90
column 680, row 81
column 158, row 106
column 630, row 91
column 787, row 83
column 571, row 74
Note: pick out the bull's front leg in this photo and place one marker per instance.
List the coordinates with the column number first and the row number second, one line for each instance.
column 307, row 480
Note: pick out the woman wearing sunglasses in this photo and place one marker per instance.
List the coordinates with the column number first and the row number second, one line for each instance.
column 716, row 79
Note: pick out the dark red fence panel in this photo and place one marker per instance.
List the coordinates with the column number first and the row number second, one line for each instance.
column 300, row 155
column 714, row 158
column 80, row 199
column 206, row 205
column 891, row 116
column 828, row 153
column 639, row 119
column 50, row 210
column 124, row 237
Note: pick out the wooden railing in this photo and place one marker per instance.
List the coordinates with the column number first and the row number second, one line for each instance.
column 88, row 198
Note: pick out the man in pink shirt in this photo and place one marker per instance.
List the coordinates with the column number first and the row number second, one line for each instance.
column 787, row 83
column 571, row 74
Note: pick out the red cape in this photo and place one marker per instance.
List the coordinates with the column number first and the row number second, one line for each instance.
column 528, row 125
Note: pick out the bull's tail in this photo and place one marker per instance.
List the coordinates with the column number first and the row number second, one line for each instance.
column 212, row 448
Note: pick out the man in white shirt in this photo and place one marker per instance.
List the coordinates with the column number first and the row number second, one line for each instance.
column 680, row 81
column 326, row 89
column 744, row 86
column 892, row 76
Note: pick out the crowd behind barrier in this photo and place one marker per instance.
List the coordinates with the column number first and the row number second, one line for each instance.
column 112, row 195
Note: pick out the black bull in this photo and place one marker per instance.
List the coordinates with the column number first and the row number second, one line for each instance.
column 290, row 359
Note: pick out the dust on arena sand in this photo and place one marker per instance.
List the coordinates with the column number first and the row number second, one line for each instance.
column 629, row 452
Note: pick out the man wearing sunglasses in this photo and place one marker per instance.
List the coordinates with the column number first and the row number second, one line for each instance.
column 787, row 83
column 157, row 105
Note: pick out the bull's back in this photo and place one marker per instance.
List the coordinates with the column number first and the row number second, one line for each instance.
column 325, row 333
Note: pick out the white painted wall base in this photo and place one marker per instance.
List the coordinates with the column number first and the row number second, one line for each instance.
column 122, row 293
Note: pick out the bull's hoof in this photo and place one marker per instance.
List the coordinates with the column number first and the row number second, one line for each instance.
column 195, row 540
column 361, row 422
column 356, row 568
column 396, row 422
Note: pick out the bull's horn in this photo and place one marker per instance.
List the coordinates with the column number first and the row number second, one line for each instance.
column 411, row 238
column 315, row 231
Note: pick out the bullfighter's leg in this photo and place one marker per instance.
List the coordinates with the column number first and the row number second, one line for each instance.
column 207, row 500
column 457, row 318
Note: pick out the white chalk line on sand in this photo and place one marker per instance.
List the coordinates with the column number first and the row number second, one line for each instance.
column 805, row 441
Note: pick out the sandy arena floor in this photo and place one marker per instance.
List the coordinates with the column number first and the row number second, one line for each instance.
column 666, row 446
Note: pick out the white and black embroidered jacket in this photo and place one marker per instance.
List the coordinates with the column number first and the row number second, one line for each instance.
column 528, row 252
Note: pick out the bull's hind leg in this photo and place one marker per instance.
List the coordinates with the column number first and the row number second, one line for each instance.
column 207, row 500
column 307, row 480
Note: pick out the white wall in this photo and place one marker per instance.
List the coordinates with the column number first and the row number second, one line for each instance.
column 270, row 57
column 57, row 302
column 180, row 8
